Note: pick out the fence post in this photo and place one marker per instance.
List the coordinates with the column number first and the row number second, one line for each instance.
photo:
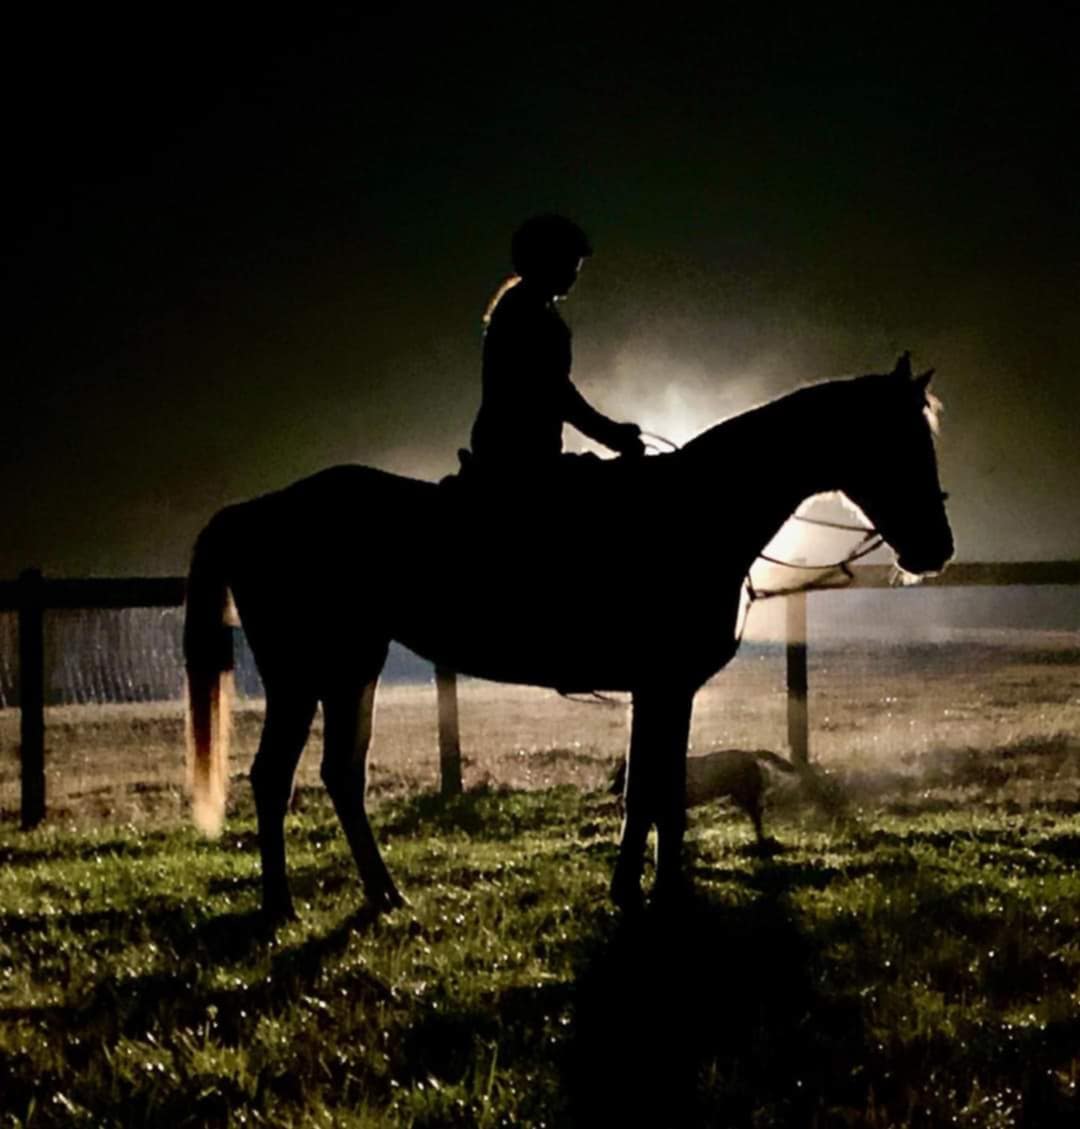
column 797, row 720
column 32, row 695
column 449, row 734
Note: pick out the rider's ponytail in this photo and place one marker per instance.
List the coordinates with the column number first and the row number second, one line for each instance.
column 507, row 284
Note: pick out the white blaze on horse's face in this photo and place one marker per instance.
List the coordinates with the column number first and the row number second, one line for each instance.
column 899, row 489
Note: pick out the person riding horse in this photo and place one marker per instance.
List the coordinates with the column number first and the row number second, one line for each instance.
column 326, row 572
column 527, row 391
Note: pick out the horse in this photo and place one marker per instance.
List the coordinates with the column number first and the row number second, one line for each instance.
column 640, row 594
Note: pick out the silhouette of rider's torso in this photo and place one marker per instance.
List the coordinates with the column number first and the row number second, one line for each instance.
column 526, row 383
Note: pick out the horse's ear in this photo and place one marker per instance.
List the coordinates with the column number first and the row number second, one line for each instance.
column 902, row 368
column 922, row 381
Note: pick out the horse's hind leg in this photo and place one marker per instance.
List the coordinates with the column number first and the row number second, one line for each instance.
column 754, row 806
column 348, row 714
column 289, row 712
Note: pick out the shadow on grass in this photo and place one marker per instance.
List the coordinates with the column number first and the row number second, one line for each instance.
column 1065, row 847
column 172, row 1004
column 734, row 1014
column 174, row 1000
column 704, row 1014
column 499, row 815
column 32, row 853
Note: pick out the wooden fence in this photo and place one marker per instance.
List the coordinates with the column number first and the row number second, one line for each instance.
column 32, row 595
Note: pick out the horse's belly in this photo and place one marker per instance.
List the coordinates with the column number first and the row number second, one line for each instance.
column 522, row 643
column 563, row 639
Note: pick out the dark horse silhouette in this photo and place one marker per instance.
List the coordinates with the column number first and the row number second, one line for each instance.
column 640, row 595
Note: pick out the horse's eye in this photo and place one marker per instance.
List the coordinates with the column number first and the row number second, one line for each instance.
column 944, row 495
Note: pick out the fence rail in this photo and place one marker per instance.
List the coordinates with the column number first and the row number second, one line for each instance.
column 32, row 595
column 978, row 574
column 124, row 592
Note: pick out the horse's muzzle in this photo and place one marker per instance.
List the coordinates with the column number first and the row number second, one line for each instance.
column 925, row 561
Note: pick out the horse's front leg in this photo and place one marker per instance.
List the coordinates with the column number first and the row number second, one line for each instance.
column 671, row 812
column 348, row 714
column 655, row 791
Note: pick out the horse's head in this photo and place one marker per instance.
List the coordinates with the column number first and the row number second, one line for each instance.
column 896, row 484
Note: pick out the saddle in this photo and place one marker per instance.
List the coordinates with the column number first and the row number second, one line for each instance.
column 561, row 531
column 569, row 482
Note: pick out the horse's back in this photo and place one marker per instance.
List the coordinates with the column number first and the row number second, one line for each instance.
column 349, row 489
column 314, row 558
column 331, row 510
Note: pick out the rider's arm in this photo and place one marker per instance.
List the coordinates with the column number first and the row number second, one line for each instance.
column 621, row 437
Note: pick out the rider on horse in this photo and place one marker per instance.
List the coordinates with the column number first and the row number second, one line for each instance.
column 527, row 391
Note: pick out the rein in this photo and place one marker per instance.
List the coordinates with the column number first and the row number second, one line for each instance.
column 871, row 540
column 670, row 444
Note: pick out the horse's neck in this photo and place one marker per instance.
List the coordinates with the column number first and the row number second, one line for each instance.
column 766, row 462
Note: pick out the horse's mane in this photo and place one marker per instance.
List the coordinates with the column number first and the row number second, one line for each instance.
column 933, row 411
column 837, row 399
column 787, row 410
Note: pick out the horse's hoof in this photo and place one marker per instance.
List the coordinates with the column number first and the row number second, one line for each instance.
column 627, row 896
column 673, row 892
column 276, row 914
column 387, row 900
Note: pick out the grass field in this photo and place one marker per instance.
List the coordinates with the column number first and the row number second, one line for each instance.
column 908, row 956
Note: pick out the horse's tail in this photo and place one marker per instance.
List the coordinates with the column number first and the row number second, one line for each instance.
column 208, row 656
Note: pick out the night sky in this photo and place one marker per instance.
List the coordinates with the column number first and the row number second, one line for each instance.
column 240, row 251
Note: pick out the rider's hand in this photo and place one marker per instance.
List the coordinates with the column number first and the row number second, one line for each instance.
column 627, row 440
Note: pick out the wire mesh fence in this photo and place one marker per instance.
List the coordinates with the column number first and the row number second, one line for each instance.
column 901, row 705
column 114, row 681
column 9, row 660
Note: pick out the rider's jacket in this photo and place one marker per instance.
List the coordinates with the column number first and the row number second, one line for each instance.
column 527, row 391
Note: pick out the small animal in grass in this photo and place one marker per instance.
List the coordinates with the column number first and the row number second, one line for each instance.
column 738, row 774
